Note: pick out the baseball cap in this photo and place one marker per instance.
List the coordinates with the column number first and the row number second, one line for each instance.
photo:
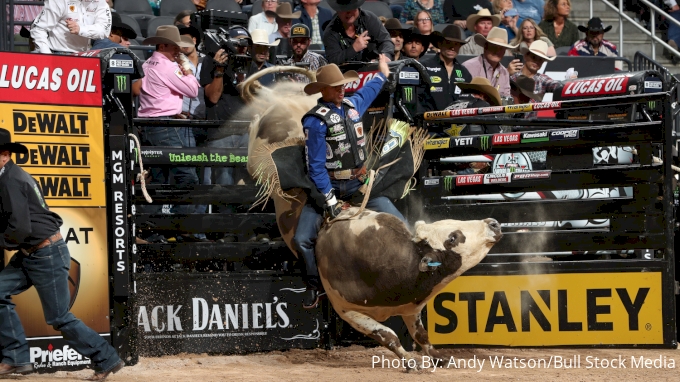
column 238, row 32
column 300, row 30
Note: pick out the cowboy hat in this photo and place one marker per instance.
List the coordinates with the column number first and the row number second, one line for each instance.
column 414, row 34
column 594, row 25
column 482, row 14
column 261, row 37
column 167, row 34
column 330, row 75
column 25, row 33
column 285, row 11
column 451, row 33
column 345, row 5
column 526, row 86
column 482, row 85
column 497, row 36
column 539, row 48
column 117, row 23
column 395, row 25
column 6, row 143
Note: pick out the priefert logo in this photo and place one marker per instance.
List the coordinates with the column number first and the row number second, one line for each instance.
column 58, row 357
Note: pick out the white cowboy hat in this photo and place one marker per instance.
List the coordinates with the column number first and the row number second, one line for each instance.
column 497, row 36
column 167, row 34
column 330, row 75
column 261, row 37
column 482, row 14
column 539, row 48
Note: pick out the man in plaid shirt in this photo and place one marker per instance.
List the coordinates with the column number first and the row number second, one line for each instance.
column 594, row 44
column 300, row 38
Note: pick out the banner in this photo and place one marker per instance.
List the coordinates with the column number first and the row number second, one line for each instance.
column 549, row 310
column 55, row 109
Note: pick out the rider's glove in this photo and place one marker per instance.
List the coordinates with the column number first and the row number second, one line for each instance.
column 332, row 208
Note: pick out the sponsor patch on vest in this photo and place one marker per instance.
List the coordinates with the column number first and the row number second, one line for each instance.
column 323, row 111
column 337, row 129
column 432, row 69
column 334, row 165
column 353, row 115
column 361, row 155
column 361, row 142
column 335, row 118
column 359, row 129
column 340, row 137
column 343, row 148
column 437, row 89
column 389, row 146
column 329, row 153
column 435, row 79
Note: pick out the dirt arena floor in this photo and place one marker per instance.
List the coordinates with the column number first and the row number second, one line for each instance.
column 354, row 364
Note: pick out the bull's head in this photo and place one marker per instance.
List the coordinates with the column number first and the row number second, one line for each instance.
column 471, row 240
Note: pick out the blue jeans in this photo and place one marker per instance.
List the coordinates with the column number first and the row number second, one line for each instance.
column 310, row 222
column 174, row 137
column 47, row 270
column 228, row 176
column 674, row 30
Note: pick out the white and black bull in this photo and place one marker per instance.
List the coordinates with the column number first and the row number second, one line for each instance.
column 372, row 269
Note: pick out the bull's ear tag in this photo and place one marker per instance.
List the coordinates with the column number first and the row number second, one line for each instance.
column 427, row 265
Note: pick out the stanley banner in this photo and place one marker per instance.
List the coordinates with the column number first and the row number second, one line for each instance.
column 55, row 109
column 548, row 310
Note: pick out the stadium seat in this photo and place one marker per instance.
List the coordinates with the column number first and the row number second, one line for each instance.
column 378, row 8
column 324, row 4
column 563, row 50
column 130, row 7
column 173, row 7
column 158, row 21
column 223, row 5
column 126, row 19
column 440, row 27
column 143, row 21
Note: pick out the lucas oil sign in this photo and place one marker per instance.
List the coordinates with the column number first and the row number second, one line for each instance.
column 548, row 310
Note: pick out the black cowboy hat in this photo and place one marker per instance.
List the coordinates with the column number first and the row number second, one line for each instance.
column 191, row 31
column 117, row 23
column 345, row 5
column 414, row 34
column 594, row 25
column 7, row 144
column 451, row 32
column 395, row 25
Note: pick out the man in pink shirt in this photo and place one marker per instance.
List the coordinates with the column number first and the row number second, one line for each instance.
column 167, row 79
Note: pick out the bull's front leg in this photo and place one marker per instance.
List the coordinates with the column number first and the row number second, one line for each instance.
column 379, row 332
column 419, row 334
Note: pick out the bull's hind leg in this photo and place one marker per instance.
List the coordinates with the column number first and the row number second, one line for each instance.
column 419, row 334
column 379, row 332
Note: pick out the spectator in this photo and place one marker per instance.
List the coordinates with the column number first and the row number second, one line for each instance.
column 594, row 43
column 534, row 57
column 168, row 78
column 284, row 20
column 120, row 36
column 481, row 23
column 355, row 35
column 23, row 13
column 529, row 9
column 313, row 17
column 444, row 69
column 200, row 4
column 265, row 20
column 457, row 11
column 397, row 31
column 509, row 22
column 488, row 64
column 415, row 44
column 183, row 19
column 194, row 108
column 673, row 30
column 522, row 89
column 424, row 23
column 530, row 32
column 556, row 25
column 300, row 38
column 412, row 8
column 68, row 26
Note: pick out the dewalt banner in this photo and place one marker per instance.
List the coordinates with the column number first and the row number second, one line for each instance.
column 548, row 310
column 55, row 109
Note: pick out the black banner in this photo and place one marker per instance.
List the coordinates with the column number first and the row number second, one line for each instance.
column 119, row 240
column 195, row 156
column 223, row 313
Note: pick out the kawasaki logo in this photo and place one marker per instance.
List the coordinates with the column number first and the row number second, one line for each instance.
column 540, row 136
column 448, row 183
column 121, row 83
column 484, row 142
column 408, row 94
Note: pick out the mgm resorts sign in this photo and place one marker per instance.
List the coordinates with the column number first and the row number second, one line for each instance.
column 262, row 313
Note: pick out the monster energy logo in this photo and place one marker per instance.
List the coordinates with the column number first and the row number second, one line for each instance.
column 459, row 73
column 652, row 104
column 484, row 142
column 408, row 94
column 448, row 183
column 121, row 83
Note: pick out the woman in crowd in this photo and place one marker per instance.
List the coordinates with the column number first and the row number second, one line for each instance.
column 556, row 25
column 412, row 9
column 529, row 32
column 509, row 16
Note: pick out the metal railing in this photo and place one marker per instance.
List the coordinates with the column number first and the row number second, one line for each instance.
column 7, row 23
column 653, row 11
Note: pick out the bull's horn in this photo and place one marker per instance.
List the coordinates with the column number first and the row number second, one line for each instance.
column 249, row 87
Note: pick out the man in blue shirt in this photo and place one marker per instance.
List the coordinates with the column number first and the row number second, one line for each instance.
column 336, row 152
column 120, row 36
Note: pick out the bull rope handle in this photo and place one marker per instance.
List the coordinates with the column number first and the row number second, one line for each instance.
column 142, row 173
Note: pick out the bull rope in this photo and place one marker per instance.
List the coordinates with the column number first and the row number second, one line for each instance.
column 142, row 173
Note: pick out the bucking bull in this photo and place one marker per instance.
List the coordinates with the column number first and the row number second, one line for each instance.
column 371, row 266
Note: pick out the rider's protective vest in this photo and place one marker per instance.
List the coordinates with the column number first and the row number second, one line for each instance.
column 345, row 140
